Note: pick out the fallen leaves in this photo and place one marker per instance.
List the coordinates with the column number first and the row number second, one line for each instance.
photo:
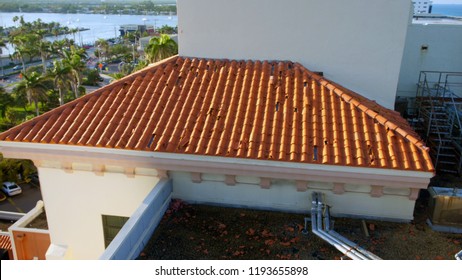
column 250, row 232
column 265, row 233
column 371, row 227
column 203, row 232
column 238, row 253
column 270, row 242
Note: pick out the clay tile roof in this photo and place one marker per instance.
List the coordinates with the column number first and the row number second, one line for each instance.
column 269, row 110
column 5, row 242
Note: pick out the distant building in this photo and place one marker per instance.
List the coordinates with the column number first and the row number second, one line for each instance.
column 422, row 7
column 127, row 28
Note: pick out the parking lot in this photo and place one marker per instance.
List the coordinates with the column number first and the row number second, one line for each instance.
column 23, row 202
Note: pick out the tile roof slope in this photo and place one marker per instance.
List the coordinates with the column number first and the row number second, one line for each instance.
column 270, row 110
column 5, row 242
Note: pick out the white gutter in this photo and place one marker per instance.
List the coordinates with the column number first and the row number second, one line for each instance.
column 238, row 166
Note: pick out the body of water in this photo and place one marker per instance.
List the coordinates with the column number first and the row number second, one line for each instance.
column 99, row 25
column 448, row 10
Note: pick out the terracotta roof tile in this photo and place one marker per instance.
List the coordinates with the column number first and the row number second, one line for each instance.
column 271, row 110
column 5, row 242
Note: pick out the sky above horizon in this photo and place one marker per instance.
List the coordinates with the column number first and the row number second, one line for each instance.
column 447, row 1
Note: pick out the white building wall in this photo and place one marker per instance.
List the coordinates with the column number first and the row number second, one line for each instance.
column 75, row 203
column 357, row 43
column 444, row 53
column 283, row 195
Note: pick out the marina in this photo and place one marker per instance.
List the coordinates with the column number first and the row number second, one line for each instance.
column 100, row 26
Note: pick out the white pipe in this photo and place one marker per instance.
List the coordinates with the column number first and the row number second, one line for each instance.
column 366, row 253
column 459, row 256
column 342, row 244
column 363, row 252
column 316, row 223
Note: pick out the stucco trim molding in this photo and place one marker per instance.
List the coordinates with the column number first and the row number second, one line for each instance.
column 219, row 165
column 302, row 186
column 339, row 188
column 265, row 183
column 376, row 191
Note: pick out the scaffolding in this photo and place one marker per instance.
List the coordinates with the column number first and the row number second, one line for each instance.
column 437, row 117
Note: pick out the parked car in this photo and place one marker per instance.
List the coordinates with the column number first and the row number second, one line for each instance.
column 11, row 189
column 17, row 67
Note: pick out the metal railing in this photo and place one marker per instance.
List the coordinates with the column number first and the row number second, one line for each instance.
column 439, row 105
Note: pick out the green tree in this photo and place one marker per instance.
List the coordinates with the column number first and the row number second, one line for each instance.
column 160, row 48
column 74, row 60
column 11, row 168
column 6, row 100
column 103, row 48
column 165, row 29
column 92, row 78
column 62, row 77
column 22, row 44
column 58, row 47
column 2, row 45
column 35, row 86
column 141, row 64
column 45, row 50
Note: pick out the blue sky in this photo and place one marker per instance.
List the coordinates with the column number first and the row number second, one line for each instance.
column 447, row 1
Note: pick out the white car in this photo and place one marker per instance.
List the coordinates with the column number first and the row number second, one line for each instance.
column 10, row 188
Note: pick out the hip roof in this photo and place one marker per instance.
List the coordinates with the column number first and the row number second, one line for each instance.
column 269, row 110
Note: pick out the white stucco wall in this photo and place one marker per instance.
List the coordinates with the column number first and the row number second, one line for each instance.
column 356, row 43
column 444, row 53
column 283, row 195
column 75, row 203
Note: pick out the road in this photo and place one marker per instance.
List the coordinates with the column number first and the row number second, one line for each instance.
column 23, row 202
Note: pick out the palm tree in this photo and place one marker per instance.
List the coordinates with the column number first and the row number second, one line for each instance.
column 34, row 86
column 74, row 60
column 2, row 44
column 45, row 50
column 160, row 48
column 62, row 77
column 73, row 31
column 21, row 48
column 103, row 47
column 58, row 47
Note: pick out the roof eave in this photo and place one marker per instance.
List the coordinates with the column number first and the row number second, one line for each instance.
column 220, row 165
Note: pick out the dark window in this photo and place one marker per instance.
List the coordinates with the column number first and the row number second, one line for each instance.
column 112, row 226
